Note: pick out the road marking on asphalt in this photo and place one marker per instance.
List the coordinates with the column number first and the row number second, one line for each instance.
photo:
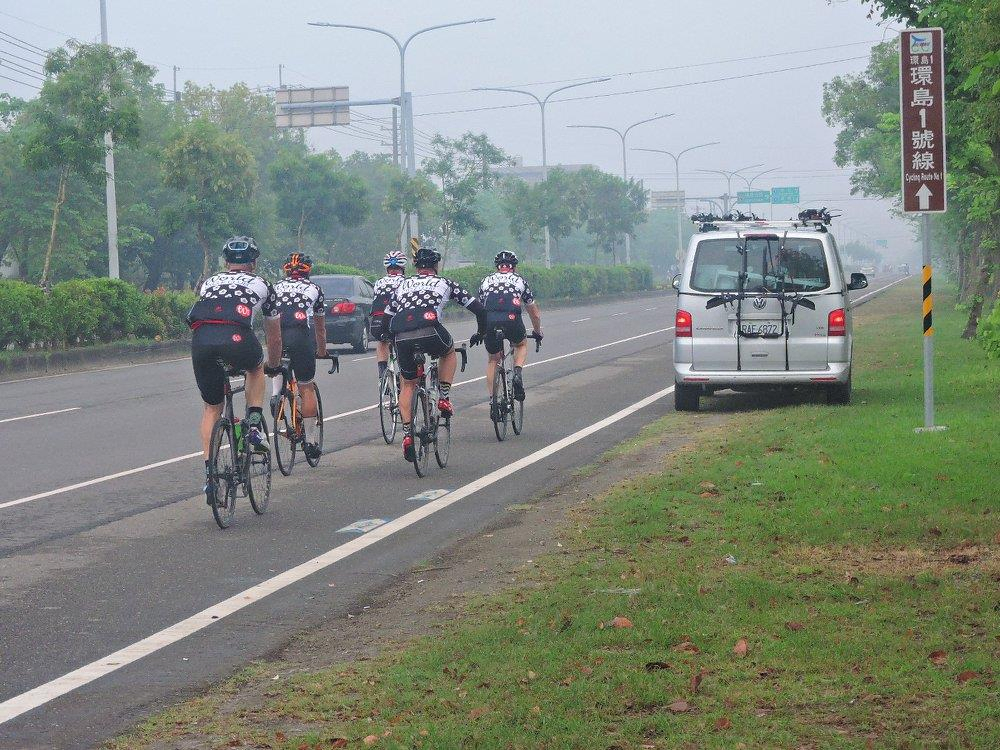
column 647, row 309
column 363, row 526
column 580, row 320
column 859, row 300
column 615, row 315
column 427, row 495
column 359, row 359
column 40, row 414
column 20, row 704
column 341, row 415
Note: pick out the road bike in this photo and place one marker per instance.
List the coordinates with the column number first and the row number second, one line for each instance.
column 388, row 397
column 504, row 408
column 431, row 429
column 289, row 430
column 233, row 464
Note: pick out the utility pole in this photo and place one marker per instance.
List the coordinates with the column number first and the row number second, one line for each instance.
column 109, row 169
column 281, row 82
column 395, row 136
column 177, row 94
column 545, row 160
column 623, row 134
column 729, row 181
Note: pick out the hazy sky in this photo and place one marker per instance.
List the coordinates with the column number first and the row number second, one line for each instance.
column 773, row 119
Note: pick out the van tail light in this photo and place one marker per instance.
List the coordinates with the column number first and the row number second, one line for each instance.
column 344, row 308
column 837, row 323
column 682, row 324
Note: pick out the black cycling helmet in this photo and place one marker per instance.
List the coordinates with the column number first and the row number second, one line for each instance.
column 505, row 258
column 426, row 257
column 240, row 250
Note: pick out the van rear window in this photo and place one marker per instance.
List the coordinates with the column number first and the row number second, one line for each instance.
column 792, row 265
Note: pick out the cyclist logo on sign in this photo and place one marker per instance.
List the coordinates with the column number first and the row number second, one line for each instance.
column 921, row 44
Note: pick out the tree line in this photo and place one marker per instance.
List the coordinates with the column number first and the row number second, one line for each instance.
column 866, row 109
column 192, row 171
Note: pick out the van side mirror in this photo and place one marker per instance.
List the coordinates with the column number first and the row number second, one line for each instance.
column 676, row 282
column 858, row 281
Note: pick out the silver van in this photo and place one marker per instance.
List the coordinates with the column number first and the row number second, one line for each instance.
column 763, row 305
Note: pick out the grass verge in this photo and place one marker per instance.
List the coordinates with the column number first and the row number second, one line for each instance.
column 808, row 576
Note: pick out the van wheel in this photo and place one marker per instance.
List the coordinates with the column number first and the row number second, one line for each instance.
column 839, row 393
column 686, row 397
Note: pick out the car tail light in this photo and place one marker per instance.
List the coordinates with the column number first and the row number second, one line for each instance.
column 682, row 324
column 837, row 323
column 343, row 308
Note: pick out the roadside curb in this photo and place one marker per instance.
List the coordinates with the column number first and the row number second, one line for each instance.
column 88, row 358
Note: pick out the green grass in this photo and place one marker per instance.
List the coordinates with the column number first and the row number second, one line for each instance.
column 861, row 548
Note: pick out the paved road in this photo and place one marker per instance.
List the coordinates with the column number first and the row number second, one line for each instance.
column 105, row 539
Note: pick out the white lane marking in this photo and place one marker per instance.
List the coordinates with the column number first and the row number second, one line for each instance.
column 363, row 526
column 580, row 320
column 97, row 369
column 880, row 289
column 647, row 309
column 40, row 414
column 360, row 359
column 615, row 315
column 99, row 480
column 352, row 412
column 19, row 704
column 423, row 497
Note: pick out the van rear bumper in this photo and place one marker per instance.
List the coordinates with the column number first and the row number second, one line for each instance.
column 837, row 372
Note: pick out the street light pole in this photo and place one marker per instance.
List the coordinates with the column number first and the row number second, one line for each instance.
column 408, row 152
column 623, row 134
column 753, row 179
column 729, row 180
column 677, row 183
column 109, row 179
column 545, row 162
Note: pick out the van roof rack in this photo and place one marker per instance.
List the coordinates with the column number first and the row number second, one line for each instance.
column 814, row 218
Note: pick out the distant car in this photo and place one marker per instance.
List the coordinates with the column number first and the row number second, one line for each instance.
column 348, row 305
column 904, row 268
column 868, row 271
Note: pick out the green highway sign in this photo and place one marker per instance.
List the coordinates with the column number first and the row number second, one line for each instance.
column 785, row 195
column 753, row 196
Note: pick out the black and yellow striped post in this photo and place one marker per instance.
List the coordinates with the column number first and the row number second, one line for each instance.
column 928, row 322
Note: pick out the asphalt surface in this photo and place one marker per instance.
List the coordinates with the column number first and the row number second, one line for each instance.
column 88, row 570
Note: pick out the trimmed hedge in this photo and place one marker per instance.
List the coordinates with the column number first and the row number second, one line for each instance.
column 88, row 311
column 566, row 281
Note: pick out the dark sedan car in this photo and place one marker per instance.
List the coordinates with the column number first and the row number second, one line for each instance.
column 348, row 305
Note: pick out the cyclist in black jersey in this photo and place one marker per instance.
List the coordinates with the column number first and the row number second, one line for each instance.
column 302, row 308
column 505, row 295
column 415, row 312
column 378, row 329
column 222, row 337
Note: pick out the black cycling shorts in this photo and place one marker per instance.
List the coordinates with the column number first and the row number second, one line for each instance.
column 513, row 330
column 299, row 344
column 377, row 329
column 434, row 341
column 215, row 347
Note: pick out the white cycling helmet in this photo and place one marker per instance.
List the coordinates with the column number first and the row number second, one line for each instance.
column 394, row 259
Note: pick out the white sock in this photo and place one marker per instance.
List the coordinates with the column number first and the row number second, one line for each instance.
column 276, row 386
column 311, row 425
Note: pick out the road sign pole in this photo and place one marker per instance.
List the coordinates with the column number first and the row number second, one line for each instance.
column 928, row 328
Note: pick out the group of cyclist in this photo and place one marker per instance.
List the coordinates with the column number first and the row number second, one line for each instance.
column 406, row 313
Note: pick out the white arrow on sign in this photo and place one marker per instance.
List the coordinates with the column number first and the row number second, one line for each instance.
column 924, row 196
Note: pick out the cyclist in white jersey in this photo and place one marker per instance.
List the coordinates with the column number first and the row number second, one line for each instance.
column 378, row 329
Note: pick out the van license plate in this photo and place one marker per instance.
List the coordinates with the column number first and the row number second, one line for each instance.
column 759, row 328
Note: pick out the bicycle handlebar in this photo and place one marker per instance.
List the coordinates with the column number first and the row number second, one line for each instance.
column 465, row 355
column 537, row 338
column 334, row 361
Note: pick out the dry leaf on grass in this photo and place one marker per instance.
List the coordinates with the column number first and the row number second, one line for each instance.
column 477, row 712
column 280, row 736
column 964, row 677
column 696, row 679
column 586, row 670
column 723, row 724
column 938, row 657
column 621, row 622
column 536, row 710
column 371, row 739
column 652, row 666
column 679, row 707
column 741, row 648
column 794, row 625
column 686, row 647
column 338, row 742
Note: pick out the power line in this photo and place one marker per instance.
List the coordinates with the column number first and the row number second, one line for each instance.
column 663, row 70
column 23, row 83
column 5, row 53
column 649, row 89
column 64, row 34
column 23, row 71
column 25, row 45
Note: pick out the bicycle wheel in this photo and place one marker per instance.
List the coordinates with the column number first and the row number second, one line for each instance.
column 442, row 440
column 498, row 403
column 314, row 462
column 258, row 477
column 222, row 472
column 387, row 407
column 516, row 412
column 284, row 436
column 422, row 438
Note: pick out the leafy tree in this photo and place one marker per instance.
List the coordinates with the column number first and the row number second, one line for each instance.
column 409, row 195
column 464, row 167
column 612, row 208
column 216, row 174
column 313, row 194
column 92, row 91
column 556, row 203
